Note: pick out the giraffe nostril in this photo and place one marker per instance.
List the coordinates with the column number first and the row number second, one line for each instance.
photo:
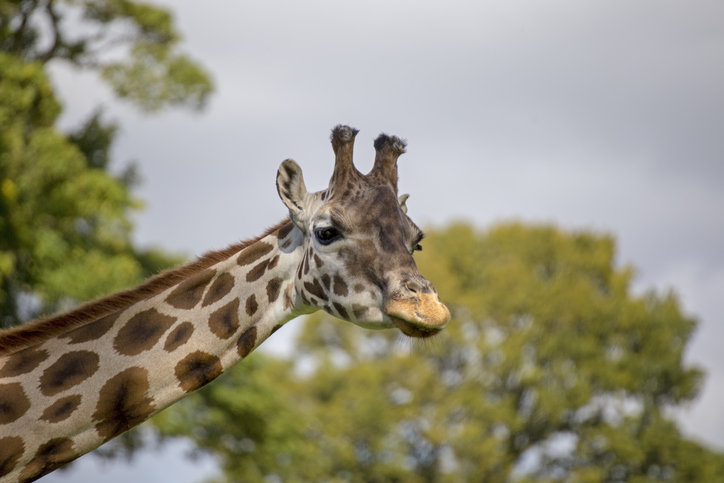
column 413, row 286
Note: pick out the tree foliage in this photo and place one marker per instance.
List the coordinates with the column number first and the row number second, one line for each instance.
column 550, row 370
column 64, row 212
column 133, row 45
column 64, row 229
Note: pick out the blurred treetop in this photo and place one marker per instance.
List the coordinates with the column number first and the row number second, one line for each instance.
column 132, row 44
column 64, row 213
column 550, row 370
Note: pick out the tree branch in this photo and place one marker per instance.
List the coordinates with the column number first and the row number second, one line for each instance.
column 24, row 13
column 43, row 58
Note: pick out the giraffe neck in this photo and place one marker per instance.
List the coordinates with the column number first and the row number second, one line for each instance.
column 71, row 393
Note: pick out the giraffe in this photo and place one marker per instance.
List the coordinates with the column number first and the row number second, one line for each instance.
column 69, row 383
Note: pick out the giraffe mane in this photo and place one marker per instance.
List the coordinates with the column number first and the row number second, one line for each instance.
column 31, row 333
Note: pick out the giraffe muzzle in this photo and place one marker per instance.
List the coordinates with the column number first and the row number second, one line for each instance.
column 422, row 314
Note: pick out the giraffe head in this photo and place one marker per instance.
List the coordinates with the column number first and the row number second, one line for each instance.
column 358, row 243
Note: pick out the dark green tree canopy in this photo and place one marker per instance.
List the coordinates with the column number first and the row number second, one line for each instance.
column 551, row 370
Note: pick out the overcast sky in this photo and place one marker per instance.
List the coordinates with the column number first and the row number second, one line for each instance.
column 606, row 115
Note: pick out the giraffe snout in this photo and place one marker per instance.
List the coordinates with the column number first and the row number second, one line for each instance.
column 417, row 310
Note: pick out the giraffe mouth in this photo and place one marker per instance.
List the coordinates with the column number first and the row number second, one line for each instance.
column 421, row 317
column 414, row 330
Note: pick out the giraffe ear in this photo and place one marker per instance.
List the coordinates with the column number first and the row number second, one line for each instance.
column 292, row 191
column 402, row 200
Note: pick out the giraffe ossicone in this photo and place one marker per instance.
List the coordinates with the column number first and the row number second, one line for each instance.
column 71, row 382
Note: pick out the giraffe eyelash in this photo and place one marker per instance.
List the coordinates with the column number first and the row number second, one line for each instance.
column 417, row 247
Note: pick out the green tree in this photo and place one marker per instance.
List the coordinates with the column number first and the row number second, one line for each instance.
column 550, row 370
column 133, row 45
column 64, row 215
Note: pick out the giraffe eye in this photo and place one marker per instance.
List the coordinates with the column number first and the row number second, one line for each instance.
column 325, row 236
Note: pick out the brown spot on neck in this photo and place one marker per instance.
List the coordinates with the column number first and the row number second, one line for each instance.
column 246, row 342
column 254, row 253
column 12, row 449
column 285, row 230
column 256, row 272
column 273, row 262
column 224, row 322
column 273, row 288
column 49, row 457
column 196, row 370
column 142, row 332
column 14, row 403
column 61, row 409
column 93, row 331
column 23, row 362
column 69, row 370
column 219, row 289
column 123, row 403
column 178, row 336
column 188, row 293
column 251, row 305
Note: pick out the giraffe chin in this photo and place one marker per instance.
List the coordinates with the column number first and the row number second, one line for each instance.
column 414, row 330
